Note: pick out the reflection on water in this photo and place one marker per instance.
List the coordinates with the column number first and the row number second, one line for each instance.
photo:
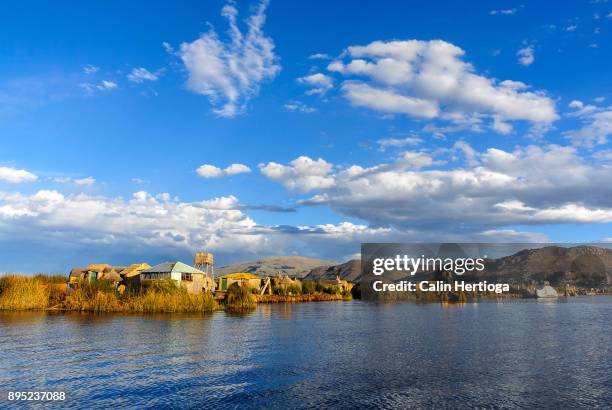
column 551, row 354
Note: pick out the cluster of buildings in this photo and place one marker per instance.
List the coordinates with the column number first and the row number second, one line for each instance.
column 195, row 279
column 141, row 275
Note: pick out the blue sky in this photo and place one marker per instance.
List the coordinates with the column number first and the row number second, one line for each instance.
column 148, row 130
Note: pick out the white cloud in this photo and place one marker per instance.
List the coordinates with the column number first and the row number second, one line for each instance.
column 581, row 109
column 576, row 104
column 571, row 28
column 211, row 171
column 302, row 174
column 472, row 157
column 416, row 160
column 597, row 124
column 142, row 220
column 107, row 85
column 526, row 56
column 398, row 142
column 320, row 56
column 230, row 72
column 363, row 95
column 596, row 129
column 507, row 12
column 319, row 82
column 16, row 176
column 140, row 75
column 151, row 227
column 297, row 106
column 495, row 188
column 90, row 69
column 104, row 85
column 87, row 181
column 236, row 169
column 429, row 79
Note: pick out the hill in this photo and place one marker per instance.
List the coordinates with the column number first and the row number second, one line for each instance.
column 582, row 266
column 350, row 271
column 297, row 266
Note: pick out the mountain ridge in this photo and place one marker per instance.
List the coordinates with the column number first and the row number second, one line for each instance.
column 296, row 266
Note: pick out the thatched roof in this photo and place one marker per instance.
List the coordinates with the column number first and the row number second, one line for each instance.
column 98, row 267
column 134, row 269
column 111, row 275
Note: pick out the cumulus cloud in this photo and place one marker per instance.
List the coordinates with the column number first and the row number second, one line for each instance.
column 431, row 80
column 140, row 75
column 16, row 176
column 597, row 124
column 230, row 72
column 143, row 219
column 211, row 171
column 302, row 174
column 416, row 160
column 493, row 189
column 364, row 95
column 156, row 227
column 319, row 83
column 526, row 56
column 398, row 142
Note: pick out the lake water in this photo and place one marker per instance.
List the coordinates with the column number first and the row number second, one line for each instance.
column 315, row 355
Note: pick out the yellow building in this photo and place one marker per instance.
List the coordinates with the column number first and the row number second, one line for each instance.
column 241, row 278
column 96, row 271
column 131, row 274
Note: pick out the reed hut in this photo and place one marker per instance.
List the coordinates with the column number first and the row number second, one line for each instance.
column 131, row 274
column 344, row 285
column 96, row 271
column 241, row 278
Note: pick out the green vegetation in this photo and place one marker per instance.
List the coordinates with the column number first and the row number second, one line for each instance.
column 240, row 298
column 285, row 290
column 309, row 287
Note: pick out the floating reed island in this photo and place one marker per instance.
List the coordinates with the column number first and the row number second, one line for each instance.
column 20, row 292
column 167, row 287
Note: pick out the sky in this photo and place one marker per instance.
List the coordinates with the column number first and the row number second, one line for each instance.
column 146, row 131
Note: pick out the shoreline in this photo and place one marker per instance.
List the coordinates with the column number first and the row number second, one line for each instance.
column 298, row 299
column 21, row 293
